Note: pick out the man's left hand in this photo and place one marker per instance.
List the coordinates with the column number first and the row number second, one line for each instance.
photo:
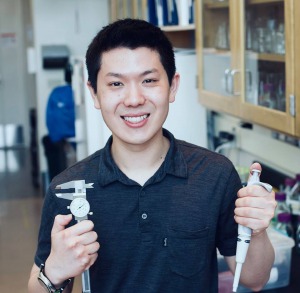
column 255, row 206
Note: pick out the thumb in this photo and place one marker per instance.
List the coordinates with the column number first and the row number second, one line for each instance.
column 60, row 222
column 254, row 166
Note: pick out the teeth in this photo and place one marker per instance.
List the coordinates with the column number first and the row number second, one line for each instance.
column 135, row 119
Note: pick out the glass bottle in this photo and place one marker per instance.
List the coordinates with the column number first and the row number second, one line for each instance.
column 280, row 40
column 284, row 224
column 293, row 195
column 295, row 190
column 282, row 206
column 270, row 35
column 248, row 31
column 288, row 185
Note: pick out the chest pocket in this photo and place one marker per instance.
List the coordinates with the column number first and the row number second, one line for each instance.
column 187, row 251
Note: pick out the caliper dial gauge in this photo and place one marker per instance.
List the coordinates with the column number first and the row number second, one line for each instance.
column 79, row 207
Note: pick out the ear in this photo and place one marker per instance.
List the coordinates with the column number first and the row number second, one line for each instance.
column 94, row 95
column 174, row 87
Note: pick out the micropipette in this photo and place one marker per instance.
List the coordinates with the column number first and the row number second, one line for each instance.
column 244, row 233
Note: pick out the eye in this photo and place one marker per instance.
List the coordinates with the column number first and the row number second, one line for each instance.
column 150, row 80
column 115, row 84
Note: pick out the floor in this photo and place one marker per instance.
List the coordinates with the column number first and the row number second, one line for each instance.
column 20, row 210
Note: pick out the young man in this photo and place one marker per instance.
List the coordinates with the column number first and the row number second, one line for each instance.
column 161, row 206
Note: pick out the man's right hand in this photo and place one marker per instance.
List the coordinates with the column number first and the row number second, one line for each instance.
column 73, row 250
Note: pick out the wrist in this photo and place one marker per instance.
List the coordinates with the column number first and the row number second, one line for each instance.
column 52, row 274
column 48, row 285
column 259, row 233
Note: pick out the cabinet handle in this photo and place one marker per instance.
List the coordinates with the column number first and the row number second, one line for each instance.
column 233, row 72
column 292, row 106
column 249, row 79
column 227, row 77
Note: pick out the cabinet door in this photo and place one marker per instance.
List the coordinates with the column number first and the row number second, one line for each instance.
column 268, row 82
column 247, row 59
column 218, row 39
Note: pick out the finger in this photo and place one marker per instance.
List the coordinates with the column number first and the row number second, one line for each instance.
column 60, row 223
column 82, row 251
column 80, row 228
column 255, row 207
column 253, row 191
column 258, row 201
column 253, row 213
column 87, row 238
column 87, row 255
column 92, row 260
column 254, row 224
column 93, row 248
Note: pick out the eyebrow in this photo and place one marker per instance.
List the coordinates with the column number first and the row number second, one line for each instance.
column 146, row 72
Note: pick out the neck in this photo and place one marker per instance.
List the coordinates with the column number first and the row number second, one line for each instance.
column 140, row 162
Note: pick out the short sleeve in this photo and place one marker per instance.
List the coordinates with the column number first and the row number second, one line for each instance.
column 227, row 227
column 44, row 239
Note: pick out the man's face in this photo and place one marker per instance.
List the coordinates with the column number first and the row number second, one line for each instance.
column 133, row 94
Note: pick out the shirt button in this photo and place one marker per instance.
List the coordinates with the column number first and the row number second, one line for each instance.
column 144, row 216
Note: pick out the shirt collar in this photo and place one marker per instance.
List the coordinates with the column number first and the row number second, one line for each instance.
column 174, row 164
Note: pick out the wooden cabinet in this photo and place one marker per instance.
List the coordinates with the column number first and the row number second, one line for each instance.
column 128, row 8
column 248, row 63
column 181, row 36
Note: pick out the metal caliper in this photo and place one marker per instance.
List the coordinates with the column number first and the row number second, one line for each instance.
column 80, row 208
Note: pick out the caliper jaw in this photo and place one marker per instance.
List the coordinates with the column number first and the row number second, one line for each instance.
column 80, row 189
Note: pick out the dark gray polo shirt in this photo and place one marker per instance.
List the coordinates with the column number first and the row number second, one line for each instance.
column 160, row 237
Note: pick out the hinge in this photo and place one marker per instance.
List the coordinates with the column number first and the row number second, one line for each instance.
column 292, row 105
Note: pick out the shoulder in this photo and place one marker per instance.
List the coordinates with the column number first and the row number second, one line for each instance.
column 212, row 167
column 87, row 169
column 193, row 152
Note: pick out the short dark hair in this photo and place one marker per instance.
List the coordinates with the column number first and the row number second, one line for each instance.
column 132, row 34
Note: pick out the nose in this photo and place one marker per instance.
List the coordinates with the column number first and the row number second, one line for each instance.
column 134, row 96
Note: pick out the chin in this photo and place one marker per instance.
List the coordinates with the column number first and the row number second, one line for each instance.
column 136, row 137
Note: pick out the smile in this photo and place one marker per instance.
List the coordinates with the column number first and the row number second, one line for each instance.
column 135, row 119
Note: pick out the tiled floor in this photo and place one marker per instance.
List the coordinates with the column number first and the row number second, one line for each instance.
column 20, row 206
column 18, row 234
column 20, row 210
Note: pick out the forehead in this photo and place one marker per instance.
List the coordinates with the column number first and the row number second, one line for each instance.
column 125, row 58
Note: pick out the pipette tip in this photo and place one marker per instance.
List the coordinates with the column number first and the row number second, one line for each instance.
column 237, row 275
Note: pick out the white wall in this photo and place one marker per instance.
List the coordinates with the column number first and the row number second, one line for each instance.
column 15, row 83
column 187, row 117
column 69, row 22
